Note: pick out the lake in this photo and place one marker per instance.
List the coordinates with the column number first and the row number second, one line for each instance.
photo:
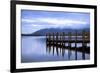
column 34, row 49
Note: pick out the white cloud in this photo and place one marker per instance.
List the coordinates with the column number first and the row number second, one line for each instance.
column 61, row 21
column 55, row 21
column 28, row 20
column 35, row 24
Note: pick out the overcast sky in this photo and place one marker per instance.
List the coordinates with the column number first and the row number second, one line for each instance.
column 33, row 20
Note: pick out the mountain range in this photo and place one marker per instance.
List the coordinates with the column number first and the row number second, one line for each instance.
column 43, row 32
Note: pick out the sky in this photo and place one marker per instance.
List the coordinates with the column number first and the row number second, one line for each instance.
column 34, row 20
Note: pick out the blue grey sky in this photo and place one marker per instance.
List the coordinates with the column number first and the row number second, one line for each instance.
column 34, row 20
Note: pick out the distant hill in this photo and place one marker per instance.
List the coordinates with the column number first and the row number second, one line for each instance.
column 43, row 32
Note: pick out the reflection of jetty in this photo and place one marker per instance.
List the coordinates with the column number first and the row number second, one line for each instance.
column 59, row 41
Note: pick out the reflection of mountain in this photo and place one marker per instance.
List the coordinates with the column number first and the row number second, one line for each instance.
column 43, row 32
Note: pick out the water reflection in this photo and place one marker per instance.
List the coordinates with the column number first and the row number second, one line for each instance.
column 35, row 49
column 61, row 51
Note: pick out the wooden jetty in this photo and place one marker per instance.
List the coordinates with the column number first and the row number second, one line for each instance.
column 59, row 40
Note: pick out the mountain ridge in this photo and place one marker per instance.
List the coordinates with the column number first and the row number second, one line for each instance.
column 43, row 32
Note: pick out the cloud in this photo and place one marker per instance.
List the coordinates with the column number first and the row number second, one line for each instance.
column 54, row 21
column 34, row 24
column 28, row 20
column 61, row 21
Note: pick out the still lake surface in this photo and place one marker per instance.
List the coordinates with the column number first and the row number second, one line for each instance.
column 34, row 50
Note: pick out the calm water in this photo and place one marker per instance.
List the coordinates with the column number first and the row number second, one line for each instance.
column 34, row 50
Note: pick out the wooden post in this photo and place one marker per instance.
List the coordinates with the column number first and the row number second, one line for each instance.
column 69, row 44
column 49, row 40
column 70, row 39
column 57, row 43
column 53, row 43
column 61, row 43
column 46, row 42
column 83, row 48
column 88, row 36
column 63, row 38
column 76, row 45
